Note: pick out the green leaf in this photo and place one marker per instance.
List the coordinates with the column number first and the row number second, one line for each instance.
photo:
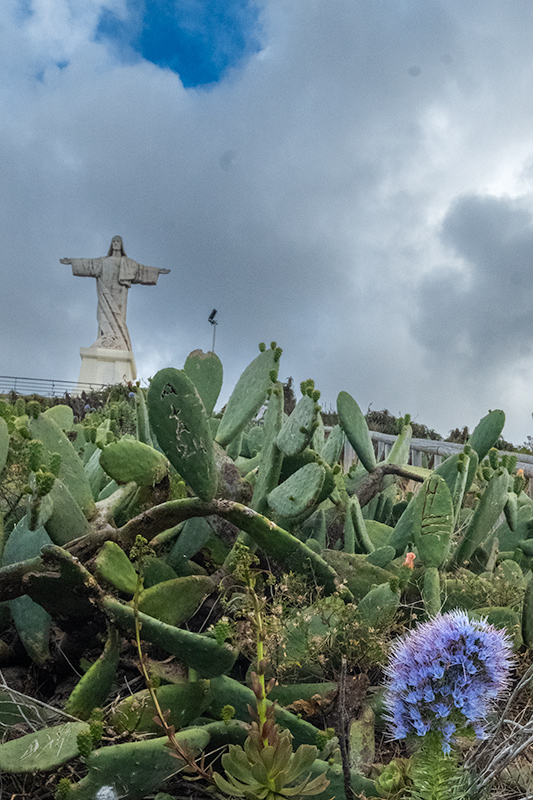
column 128, row 460
column 302, row 760
column 487, row 432
column 93, row 687
column 71, row 471
column 297, row 431
column 113, row 565
column 31, row 620
column 271, row 457
column 62, row 416
column 237, row 763
column 138, row 768
column 331, row 452
column 259, row 773
column 229, row 788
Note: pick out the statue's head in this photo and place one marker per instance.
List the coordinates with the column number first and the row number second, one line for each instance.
column 116, row 240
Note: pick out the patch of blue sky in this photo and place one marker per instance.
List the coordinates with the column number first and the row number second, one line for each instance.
column 198, row 39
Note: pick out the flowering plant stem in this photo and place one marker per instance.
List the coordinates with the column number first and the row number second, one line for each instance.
column 442, row 680
column 434, row 773
column 139, row 552
column 244, row 571
column 261, row 696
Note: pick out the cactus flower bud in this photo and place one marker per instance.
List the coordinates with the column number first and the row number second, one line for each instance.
column 227, row 712
column 36, row 451
column 63, row 789
column 44, row 482
column 96, row 729
column 20, row 407
column 519, row 483
column 493, row 458
column 85, row 743
column 33, row 409
column 511, row 464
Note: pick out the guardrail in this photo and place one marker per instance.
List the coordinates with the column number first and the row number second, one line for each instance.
column 44, row 387
column 429, row 453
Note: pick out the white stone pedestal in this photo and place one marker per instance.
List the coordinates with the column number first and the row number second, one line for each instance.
column 100, row 365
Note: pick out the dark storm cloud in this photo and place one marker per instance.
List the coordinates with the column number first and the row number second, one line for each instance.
column 484, row 302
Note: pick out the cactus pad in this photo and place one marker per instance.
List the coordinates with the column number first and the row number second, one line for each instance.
column 199, row 652
column 128, row 460
column 353, row 423
column 297, row 431
column 184, row 701
column 41, row 751
column 298, row 493
column 205, row 371
column 180, row 423
column 248, row 396
column 71, row 472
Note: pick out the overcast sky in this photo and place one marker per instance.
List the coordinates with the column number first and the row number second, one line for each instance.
column 352, row 178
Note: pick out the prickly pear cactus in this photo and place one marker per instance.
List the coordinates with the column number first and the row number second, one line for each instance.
column 140, row 538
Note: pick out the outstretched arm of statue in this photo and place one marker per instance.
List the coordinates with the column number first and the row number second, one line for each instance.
column 84, row 267
column 147, row 275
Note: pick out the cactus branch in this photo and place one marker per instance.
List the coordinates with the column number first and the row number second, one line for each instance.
column 276, row 541
column 11, row 577
column 374, row 483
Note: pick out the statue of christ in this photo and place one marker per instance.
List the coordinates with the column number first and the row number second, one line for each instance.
column 114, row 275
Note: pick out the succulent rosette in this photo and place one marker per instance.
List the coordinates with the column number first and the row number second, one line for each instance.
column 444, row 677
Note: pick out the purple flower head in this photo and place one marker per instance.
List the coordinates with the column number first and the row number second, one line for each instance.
column 445, row 675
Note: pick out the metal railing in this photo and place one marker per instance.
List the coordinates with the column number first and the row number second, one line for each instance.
column 429, row 453
column 44, row 386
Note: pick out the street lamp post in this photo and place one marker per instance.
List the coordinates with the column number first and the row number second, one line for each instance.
column 214, row 323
